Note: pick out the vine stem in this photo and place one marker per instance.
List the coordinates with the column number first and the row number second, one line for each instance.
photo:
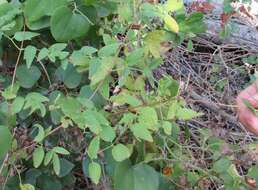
column 87, row 18
column 4, row 162
column 47, row 75
column 16, row 64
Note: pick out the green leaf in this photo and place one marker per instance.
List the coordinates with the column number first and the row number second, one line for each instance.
column 138, row 177
column 10, row 21
column 139, row 131
column 135, row 57
column 29, row 55
column 67, row 25
column 120, row 152
column 66, row 167
column 17, row 105
column 253, row 173
column 5, row 140
column 125, row 97
column 153, row 42
column 167, row 127
column 36, row 9
column 109, row 50
column 10, row 92
column 174, row 5
column 95, row 172
column 168, row 87
column 107, row 133
column 43, row 53
column 94, row 148
column 70, row 77
column 60, row 150
column 56, row 164
column 172, row 110
column 186, row 114
column 28, row 77
column 34, row 101
column 222, row 165
column 44, row 22
column 48, row 157
column 148, row 117
column 103, row 70
column 38, row 156
column 27, row 187
column 22, row 36
column 41, row 133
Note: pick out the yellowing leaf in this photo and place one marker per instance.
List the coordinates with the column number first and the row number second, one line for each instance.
column 153, row 42
column 171, row 24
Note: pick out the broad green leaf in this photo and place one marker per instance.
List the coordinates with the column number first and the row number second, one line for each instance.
column 148, row 117
column 60, row 150
column 94, row 148
column 70, row 106
column 44, row 22
column 49, row 182
column 27, row 187
column 70, row 77
column 17, row 105
column 174, row 5
column 140, row 131
column 38, row 156
column 28, row 77
column 65, row 167
column 36, row 9
column 5, row 140
column 107, row 133
column 109, row 50
column 29, row 55
column 171, row 24
column 48, row 157
column 138, row 177
column 56, row 164
column 92, row 121
column 103, row 70
column 95, row 172
column 67, row 25
column 222, row 165
column 135, row 57
column 22, row 36
column 41, row 133
column 31, row 176
column 120, row 152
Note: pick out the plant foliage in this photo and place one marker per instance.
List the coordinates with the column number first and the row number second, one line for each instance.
column 79, row 96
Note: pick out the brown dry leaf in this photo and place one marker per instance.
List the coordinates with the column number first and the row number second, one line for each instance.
column 167, row 171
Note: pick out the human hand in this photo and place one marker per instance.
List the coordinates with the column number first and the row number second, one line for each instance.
column 246, row 116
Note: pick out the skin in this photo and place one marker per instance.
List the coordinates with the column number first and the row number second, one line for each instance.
column 246, row 116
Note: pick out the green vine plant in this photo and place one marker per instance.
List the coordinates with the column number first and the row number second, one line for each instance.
column 78, row 94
